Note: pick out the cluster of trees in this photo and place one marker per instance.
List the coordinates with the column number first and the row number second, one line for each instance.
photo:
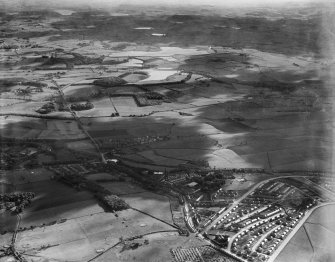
column 142, row 115
column 21, row 91
column 46, row 109
column 222, row 240
column 82, row 106
column 33, row 163
column 34, row 84
column 6, row 46
column 52, row 75
column 210, row 182
column 147, row 182
column 109, row 81
column 148, row 99
column 184, row 114
column 41, row 116
column 77, row 59
column 78, row 181
column 86, row 60
column 133, row 245
column 240, row 170
column 16, row 202
column 112, row 202
column 115, row 114
column 7, row 161
column 154, row 96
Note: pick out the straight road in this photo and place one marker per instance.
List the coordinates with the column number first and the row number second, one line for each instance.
column 73, row 113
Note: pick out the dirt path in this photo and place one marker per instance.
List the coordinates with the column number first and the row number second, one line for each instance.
column 12, row 248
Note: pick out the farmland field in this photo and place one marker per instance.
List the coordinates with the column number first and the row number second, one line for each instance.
column 91, row 233
column 124, row 104
column 121, row 123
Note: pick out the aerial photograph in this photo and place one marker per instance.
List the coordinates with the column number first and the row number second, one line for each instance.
column 167, row 131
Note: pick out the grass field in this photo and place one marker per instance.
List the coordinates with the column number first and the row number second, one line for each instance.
column 87, row 227
column 125, row 105
column 19, row 177
column 59, row 129
column 151, row 203
column 13, row 126
column 55, row 201
column 87, row 234
column 155, row 251
column 102, row 107
column 81, row 146
column 85, row 90
column 121, row 188
column 314, row 241
column 27, row 127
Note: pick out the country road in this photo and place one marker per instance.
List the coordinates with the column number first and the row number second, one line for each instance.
column 80, row 125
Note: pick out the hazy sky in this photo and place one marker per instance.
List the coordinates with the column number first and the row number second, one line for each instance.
column 101, row 3
column 200, row 2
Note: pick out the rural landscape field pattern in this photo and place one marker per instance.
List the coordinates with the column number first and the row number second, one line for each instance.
column 173, row 133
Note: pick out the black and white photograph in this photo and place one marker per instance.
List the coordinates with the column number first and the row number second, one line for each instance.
column 167, row 131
